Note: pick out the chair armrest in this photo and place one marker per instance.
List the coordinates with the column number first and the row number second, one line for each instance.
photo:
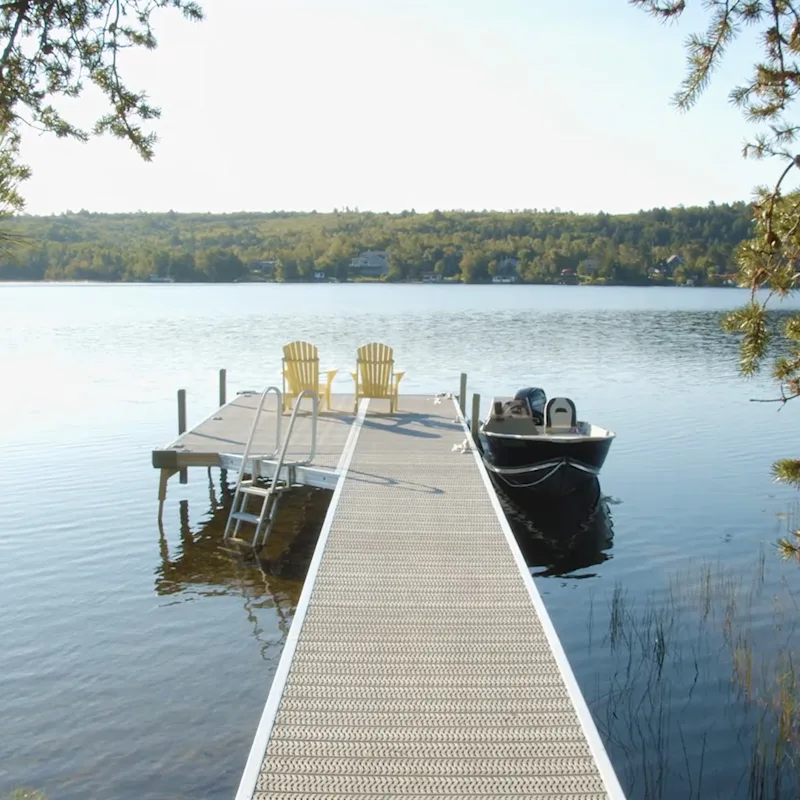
column 354, row 375
column 330, row 372
column 398, row 375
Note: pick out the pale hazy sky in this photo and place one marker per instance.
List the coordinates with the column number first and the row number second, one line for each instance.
column 396, row 104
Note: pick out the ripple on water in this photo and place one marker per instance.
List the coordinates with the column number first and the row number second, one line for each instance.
column 136, row 659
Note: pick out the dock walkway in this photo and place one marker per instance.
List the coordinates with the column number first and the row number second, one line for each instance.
column 421, row 661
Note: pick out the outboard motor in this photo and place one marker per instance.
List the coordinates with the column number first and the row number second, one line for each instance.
column 536, row 400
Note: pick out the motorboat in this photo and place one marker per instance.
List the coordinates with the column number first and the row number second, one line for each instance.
column 532, row 444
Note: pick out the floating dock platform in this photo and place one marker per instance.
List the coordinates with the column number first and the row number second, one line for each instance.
column 421, row 661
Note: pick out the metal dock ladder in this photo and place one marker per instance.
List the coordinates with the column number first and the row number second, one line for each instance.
column 270, row 495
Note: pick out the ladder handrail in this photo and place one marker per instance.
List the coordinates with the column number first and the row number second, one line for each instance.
column 272, row 494
column 314, row 418
column 287, row 438
column 281, row 457
column 254, row 428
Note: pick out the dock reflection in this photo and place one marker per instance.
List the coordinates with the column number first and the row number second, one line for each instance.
column 555, row 540
column 561, row 538
column 202, row 564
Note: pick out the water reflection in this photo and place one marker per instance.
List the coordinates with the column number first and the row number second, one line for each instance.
column 556, row 539
column 204, row 565
column 560, row 538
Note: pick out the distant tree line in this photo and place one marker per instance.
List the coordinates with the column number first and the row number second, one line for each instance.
column 543, row 246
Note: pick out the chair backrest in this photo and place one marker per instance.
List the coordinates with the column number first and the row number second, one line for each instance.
column 301, row 365
column 560, row 413
column 375, row 368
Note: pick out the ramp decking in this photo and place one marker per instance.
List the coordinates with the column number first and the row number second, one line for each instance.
column 227, row 429
column 421, row 661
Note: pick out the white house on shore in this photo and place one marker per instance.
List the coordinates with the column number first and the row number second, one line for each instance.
column 371, row 264
column 506, row 271
column 673, row 262
column 266, row 266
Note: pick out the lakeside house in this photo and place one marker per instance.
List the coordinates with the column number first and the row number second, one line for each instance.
column 567, row 276
column 506, row 270
column 508, row 265
column 431, row 277
column 265, row 267
column 673, row 262
column 371, row 264
column 589, row 266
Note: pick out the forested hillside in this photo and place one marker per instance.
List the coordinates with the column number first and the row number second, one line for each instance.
column 468, row 246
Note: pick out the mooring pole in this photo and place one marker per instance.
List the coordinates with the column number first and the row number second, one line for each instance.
column 462, row 394
column 476, row 412
column 223, row 387
column 182, row 425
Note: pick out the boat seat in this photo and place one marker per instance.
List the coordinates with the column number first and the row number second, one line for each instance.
column 560, row 413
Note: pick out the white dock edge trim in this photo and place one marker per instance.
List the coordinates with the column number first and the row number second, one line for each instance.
column 606, row 769
column 252, row 769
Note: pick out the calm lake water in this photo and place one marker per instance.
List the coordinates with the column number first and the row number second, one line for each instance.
column 135, row 660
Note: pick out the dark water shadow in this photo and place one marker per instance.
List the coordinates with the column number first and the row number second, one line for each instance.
column 201, row 564
column 198, row 564
column 559, row 538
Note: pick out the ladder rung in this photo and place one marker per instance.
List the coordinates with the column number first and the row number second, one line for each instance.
column 245, row 517
column 259, row 491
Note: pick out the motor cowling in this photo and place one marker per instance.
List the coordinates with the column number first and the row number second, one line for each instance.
column 536, row 400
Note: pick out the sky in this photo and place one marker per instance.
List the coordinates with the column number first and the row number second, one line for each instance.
column 386, row 105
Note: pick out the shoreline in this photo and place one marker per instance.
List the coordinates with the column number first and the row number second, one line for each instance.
column 88, row 282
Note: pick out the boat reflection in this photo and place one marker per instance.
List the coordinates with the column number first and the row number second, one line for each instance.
column 561, row 538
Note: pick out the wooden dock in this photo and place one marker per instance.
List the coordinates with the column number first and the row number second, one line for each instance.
column 421, row 661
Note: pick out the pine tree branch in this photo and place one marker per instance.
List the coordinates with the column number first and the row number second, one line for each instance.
column 49, row 47
column 21, row 9
column 705, row 53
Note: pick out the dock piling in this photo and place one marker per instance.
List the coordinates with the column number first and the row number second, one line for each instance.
column 223, row 387
column 462, row 394
column 182, row 425
column 476, row 412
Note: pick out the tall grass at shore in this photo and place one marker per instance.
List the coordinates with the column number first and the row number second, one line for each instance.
column 700, row 675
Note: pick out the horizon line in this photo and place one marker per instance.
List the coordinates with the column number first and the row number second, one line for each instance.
column 357, row 210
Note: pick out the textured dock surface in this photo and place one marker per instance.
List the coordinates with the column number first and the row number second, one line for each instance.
column 227, row 429
column 421, row 661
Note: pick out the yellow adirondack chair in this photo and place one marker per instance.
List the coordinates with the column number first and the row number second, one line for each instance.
column 375, row 376
column 301, row 371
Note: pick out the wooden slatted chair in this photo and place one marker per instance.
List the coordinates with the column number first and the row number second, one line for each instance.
column 375, row 376
column 301, row 371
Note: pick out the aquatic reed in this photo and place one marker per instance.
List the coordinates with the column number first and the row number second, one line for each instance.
column 710, row 658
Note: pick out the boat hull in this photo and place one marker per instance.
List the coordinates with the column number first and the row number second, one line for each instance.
column 560, row 537
column 541, row 465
